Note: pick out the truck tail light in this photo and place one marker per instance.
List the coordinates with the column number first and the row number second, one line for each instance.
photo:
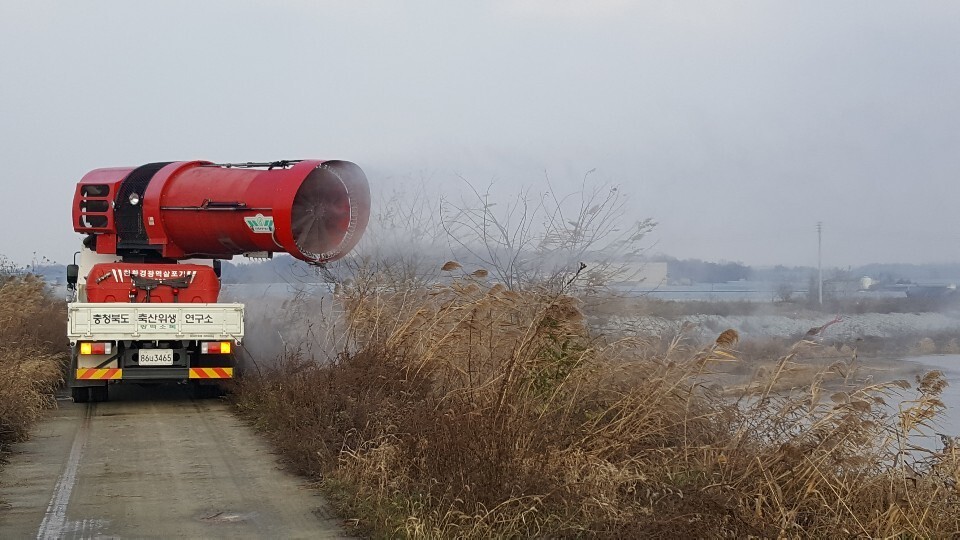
column 216, row 347
column 99, row 347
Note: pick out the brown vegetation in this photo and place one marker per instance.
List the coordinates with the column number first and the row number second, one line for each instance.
column 476, row 411
column 32, row 353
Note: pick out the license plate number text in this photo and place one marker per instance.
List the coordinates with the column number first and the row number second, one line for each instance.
column 156, row 357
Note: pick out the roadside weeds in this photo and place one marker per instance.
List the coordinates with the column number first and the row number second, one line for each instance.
column 473, row 411
column 32, row 354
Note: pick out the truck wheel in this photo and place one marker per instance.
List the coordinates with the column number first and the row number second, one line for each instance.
column 204, row 391
column 98, row 393
column 79, row 394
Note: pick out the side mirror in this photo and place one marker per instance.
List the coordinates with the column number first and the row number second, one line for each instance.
column 73, row 273
column 217, row 267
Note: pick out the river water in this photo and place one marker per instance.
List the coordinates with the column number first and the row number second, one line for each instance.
column 949, row 364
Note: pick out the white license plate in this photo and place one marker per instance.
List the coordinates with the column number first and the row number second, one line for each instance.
column 156, row 357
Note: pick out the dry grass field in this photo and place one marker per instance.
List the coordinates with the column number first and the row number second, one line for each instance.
column 32, row 353
column 473, row 411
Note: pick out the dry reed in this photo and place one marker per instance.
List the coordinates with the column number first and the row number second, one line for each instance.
column 473, row 411
column 32, row 353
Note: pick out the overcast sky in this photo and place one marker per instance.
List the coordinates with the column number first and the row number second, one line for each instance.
column 735, row 125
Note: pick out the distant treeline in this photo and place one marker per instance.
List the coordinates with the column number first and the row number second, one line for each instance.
column 284, row 268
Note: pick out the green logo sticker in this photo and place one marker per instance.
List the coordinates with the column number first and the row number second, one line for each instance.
column 260, row 223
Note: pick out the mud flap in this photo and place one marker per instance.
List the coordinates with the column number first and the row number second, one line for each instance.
column 84, row 391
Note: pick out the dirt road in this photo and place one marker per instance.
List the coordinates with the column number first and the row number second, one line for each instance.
column 152, row 463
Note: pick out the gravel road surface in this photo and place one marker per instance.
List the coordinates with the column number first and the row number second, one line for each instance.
column 153, row 463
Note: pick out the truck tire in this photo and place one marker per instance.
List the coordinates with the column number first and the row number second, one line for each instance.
column 80, row 394
column 99, row 393
column 204, row 391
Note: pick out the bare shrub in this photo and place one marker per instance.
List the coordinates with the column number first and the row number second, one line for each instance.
column 783, row 293
column 545, row 239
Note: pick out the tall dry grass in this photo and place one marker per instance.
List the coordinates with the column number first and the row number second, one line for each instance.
column 474, row 411
column 33, row 351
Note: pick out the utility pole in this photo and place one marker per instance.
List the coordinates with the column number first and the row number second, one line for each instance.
column 820, row 260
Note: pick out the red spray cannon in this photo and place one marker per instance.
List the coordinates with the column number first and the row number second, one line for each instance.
column 314, row 210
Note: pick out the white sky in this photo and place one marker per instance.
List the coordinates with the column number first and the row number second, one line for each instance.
column 735, row 125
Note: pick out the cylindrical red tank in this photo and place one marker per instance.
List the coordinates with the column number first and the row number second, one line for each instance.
column 314, row 210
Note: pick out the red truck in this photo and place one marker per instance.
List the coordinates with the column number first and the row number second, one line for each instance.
column 146, row 286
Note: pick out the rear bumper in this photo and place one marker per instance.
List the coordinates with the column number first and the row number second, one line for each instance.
column 153, row 374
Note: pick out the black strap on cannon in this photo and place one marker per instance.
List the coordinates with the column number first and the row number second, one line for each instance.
column 149, row 284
